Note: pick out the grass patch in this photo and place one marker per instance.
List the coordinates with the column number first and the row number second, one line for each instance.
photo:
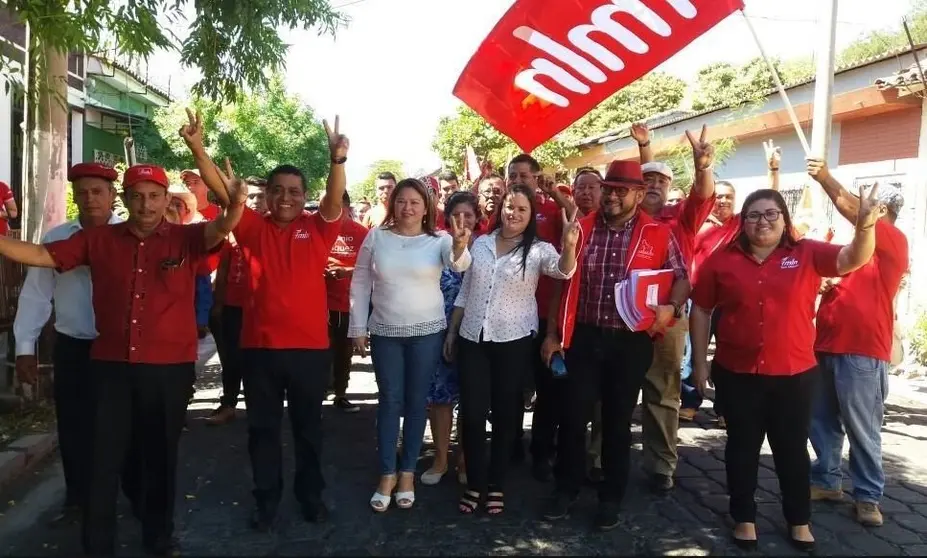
column 34, row 419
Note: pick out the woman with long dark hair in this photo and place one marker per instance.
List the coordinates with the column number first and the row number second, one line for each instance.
column 498, row 318
column 399, row 271
column 765, row 283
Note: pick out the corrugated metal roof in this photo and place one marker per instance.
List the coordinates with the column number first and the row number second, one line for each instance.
column 624, row 130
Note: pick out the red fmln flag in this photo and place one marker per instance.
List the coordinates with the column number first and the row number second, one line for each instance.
column 549, row 62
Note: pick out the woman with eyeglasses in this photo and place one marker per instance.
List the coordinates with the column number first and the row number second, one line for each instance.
column 765, row 283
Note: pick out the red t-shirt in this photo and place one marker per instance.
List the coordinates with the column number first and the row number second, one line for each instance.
column 767, row 309
column 686, row 219
column 236, row 282
column 550, row 229
column 857, row 315
column 6, row 194
column 210, row 212
column 711, row 238
column 344, row 254
column 143, row 289
column 286, row 267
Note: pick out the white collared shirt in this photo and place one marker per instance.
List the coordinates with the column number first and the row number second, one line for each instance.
column 497, row 300
column 71, row 291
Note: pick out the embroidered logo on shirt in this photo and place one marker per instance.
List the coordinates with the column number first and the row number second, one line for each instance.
column 789, row 263
column 301, row 234
column 646, row 250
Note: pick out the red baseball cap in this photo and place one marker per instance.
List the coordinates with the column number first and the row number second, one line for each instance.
column 142, row 173
column 92, row 170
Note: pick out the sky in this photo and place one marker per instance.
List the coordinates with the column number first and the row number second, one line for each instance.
column 391, row 72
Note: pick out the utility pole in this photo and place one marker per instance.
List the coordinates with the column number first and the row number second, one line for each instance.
column 824, row 78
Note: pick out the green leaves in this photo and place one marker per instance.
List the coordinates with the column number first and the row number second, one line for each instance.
column 365, row 188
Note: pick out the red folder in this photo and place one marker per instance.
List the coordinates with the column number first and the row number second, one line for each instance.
column 641, row 289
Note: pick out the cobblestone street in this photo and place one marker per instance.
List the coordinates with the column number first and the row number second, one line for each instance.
column 214, row 500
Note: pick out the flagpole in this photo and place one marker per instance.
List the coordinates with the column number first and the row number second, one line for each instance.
column 785, row 97
column 824, row 79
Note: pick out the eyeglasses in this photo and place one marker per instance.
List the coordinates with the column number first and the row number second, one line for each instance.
column 621, row 191
column 771, row 216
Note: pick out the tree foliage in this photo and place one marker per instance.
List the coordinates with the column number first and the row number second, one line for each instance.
column 233, row 44
column 261, row 130
column 366, row 188
column 679, row 158
column 656, row 92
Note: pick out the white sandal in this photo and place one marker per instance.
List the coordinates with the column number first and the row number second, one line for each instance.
column 404, row 500
column 380, row 502
column 432, row 477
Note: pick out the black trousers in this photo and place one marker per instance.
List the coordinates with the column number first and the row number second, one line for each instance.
column 342, row 350
column 300, row 376
column 491, row 379
column 777, row 408
column 546, row 414
column 717, row 381
column 611, row 365
column 229, row 349
column 74, row 412
column 145, row 405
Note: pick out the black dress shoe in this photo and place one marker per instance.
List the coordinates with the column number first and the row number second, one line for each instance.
column 542, row 470
column 262, row 521
column 558, row 506
column 744, row 544
column 802, row 546
column 315, row 512
column 661, row 484
column 161, row 545
column 607, row 518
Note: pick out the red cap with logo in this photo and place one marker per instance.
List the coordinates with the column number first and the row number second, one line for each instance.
column 142, row 173
column 92, row 170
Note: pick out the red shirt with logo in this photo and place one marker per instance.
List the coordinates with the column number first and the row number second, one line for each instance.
column 236, row 281
column 143, row 289
column 344, row 254
column 686, row 219
column 550, row 229
column 857, row 315
column 767, row 309
column 6, row 194
column 286, row 267
column 711, row 238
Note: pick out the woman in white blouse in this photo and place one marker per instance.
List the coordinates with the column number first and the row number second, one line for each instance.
column 499, row 320
column 399, row 270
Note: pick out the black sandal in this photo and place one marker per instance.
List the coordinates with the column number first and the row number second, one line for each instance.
column 495, row 503
column 469, row 502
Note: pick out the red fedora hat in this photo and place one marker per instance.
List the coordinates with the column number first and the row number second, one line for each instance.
column 624, row 173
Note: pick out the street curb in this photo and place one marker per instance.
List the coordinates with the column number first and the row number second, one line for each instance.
column 21, row 455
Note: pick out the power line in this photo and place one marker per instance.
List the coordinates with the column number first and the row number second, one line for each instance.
column 346, row 4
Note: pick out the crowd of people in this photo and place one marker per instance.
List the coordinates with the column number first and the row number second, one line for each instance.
column 486, row 299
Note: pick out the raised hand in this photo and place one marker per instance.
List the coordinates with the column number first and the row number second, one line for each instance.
column 870, row 209
column 817, row 168
column 703, row 153
column 640, row 132
column 236, row 189
column 192, row 131
column 459, row 232
column 570, row 237
column 338, row 143
column 773, row 154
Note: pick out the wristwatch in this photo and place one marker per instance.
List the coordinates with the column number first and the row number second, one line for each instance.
column 645, row 144
column 339, row 160
column 677, row 309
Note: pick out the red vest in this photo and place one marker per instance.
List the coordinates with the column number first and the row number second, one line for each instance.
column 649, row 247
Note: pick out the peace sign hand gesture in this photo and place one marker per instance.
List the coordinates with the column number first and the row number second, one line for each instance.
column 869, row 208
column 236, row 189
column 773, row 154
column 192, row 131
column 703, row 153
column 338, row 143
column 570, row 237
column 459, row 232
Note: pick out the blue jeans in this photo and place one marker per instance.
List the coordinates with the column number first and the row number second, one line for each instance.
column 850, row 398
column 404, row 367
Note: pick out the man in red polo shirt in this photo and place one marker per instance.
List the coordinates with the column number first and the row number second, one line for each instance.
column 338, row 275
column 284, row 338
column 855, row 323
column 662, row 386
column 142, row 273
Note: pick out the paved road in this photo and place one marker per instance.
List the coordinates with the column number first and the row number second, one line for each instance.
column 214, row 501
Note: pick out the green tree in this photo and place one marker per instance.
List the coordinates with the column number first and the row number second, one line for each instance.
column 654, row 93
column 679, row 159
column 724, row 85
column 259, row 131
column 366, row 187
